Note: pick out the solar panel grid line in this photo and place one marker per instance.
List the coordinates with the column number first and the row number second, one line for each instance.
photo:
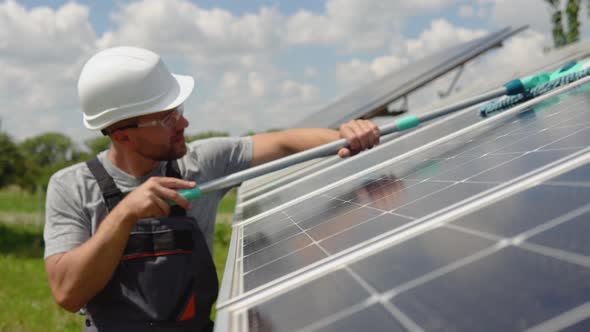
column 292, row 280
column 581, row 128
column 564, row 320
column 339, row 315
column 423, row 279
column 406, row 321
column 554, row 222
column 447, row 138
column 475, row 232
column 394, row 312
column 566, row 256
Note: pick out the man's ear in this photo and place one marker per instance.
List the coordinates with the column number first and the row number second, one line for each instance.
column 120, row 137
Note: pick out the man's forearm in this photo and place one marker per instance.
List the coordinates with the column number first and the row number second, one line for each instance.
column 78, row 275
column 300, row 139
column 270, row 146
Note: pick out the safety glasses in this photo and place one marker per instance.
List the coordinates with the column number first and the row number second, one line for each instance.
column 169, row 121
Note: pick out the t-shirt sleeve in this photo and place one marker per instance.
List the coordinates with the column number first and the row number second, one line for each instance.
column 221, row 156
column 66, row 226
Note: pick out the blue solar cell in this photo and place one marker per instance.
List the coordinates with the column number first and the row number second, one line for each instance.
column 423, row 254
column 282, row 266
column 303, row 306
column 363, row 231
column 526, row 210
column 571, row 236
column 510, row 290
column 579, row 175
column 374, row 318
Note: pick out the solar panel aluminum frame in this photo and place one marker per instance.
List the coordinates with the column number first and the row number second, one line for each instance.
column 423, row 77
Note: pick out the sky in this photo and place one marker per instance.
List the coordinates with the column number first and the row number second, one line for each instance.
column 257, row 64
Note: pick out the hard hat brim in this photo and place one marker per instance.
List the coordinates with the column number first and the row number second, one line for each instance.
column 174, row 99
column 186, row 84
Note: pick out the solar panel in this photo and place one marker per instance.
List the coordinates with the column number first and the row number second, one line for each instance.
column 383, row 153
column 550, row 61
column 375, row 96
column 408, row 237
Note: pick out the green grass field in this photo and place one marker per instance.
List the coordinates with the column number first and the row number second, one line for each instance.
column 14, row 200
column 25, row 299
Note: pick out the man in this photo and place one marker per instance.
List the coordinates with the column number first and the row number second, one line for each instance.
column 114, row 244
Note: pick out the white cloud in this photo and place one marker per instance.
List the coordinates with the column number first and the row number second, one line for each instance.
column 41, row 53
column 466, row 11
column 353, row 74
column 516, row 13
column 310, row 72
column 209, row 38
column 439, row 35
column 242, row 84
column 284, row 101
column 356, row 24
column 256, row 84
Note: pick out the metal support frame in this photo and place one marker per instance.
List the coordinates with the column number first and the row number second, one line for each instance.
column 442, row 94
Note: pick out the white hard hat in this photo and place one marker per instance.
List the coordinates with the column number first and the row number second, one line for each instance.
column 124, row 82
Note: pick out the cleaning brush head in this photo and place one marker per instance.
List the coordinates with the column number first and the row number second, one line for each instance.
column 567, row 74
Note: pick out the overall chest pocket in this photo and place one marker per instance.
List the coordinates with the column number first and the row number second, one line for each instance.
column 155, row 277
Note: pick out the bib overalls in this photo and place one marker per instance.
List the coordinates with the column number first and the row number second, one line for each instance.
column 166, row 278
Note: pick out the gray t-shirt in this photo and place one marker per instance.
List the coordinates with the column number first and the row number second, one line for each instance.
column 74, row 205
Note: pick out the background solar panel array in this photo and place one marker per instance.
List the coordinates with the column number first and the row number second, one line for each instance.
column 378, row 94
column 434, row 281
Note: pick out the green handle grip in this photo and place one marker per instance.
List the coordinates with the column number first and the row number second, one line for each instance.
column 407, row 122
column 530, row 82
column 192, row 193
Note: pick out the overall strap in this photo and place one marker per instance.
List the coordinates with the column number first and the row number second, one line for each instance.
column 111, row 193
column 173, row 171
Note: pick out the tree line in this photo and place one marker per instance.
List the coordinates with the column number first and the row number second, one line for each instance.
column 566, row 33
column 29, row 164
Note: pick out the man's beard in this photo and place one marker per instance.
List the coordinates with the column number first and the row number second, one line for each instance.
column 163, row 153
